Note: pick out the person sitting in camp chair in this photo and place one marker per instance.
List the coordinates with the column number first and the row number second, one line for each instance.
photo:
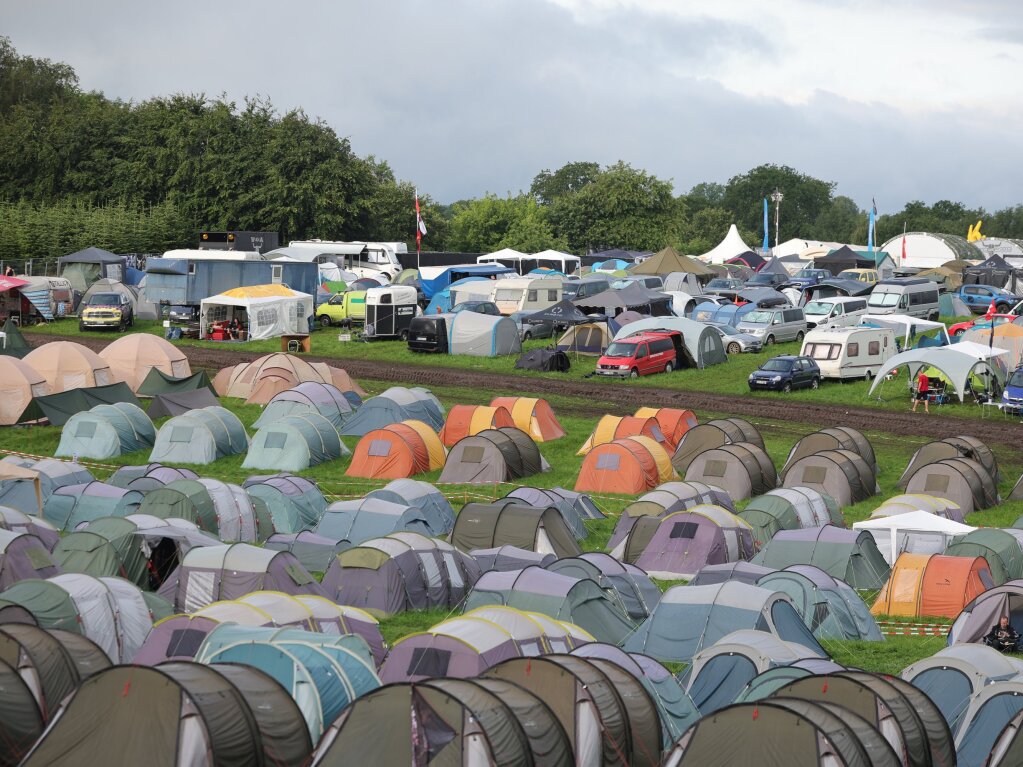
column 1003, row 637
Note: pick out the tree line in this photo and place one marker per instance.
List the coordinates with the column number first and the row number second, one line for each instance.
column 80, row 169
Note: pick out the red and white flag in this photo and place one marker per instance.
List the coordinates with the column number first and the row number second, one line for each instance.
column 420, row 225
column 903, row 247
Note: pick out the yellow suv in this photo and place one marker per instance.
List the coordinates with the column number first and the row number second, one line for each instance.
column 107, row 310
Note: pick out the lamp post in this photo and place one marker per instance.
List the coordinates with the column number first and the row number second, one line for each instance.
column 776, row 198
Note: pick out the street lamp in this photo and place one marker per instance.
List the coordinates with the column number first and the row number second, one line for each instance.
column 776, row 198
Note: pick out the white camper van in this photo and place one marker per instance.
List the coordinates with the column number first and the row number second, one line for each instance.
column 915, row 297
column 834, row 312
column 526, row 294
column 844, row 353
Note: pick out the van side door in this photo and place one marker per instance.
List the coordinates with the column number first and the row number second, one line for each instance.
column 644, row 362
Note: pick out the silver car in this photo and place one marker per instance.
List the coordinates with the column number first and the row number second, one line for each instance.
column 735, row 341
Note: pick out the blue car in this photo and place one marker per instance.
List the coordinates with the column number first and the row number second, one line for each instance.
column 1012, row 397
column 808, row 276
column 979, row 298
column 785, row 373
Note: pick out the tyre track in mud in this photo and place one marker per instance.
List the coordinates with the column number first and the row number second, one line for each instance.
column 998, row 431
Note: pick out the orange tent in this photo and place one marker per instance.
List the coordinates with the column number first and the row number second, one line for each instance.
column 612, row 427
column 396, row 451
column 673, row 422
column 623, row 466
column 533, row 416
column 469, row 420
column 932, row 585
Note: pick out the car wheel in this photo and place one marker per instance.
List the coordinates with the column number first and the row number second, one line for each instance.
column 734, row 348
column 324, row 321
column 403, row 335
column 669, row 367
column 769, row 341
column 1002, row 308
column 634, row 373
column 960, row 332
column 815, row 383
column 787, row 387
column 799, row 336
column 121, row 326
column 81, row 327
column 868, row 376
column 527, row 336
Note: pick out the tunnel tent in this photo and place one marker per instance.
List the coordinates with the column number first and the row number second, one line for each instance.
column 509, row 522
column 259, row 381
column 626, row 466
column 740, row 571
column 200, row 437
column 106, row 431
column 18, row 522
column 848, row 555
column 533, row 416
column 712, row 434
column 295, row 442
column 785, row 509
column 493, row 456
column 157, row 474
column 365, row 518
column 933, row 585
column 482, row 335
column 25, row 483
column 467, row 420
column 674, row 422
column 396, row 451
column 393, row 406
column 836, row 438
column 951, row 447
column 960, row 480
column 636, row 591
column 907, row 502
column 219, row 508
column 22, row 556
column 71, row 505
column 132, row 357
column 665, row 499
column 309, row 396
column 20, row 383
column 505, row 558
column 742, row 467
column 612, row 427
column 534, row 496
column 830, row 608
column 840, row 474
column 294, row 502
column 420, row 495
column 313, row 551
column 1000, row 548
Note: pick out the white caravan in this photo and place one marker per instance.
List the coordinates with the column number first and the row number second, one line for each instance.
column 526, row 294
column 845, row 353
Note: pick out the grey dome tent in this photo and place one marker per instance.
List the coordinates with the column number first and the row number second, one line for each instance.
column 788, row 508
column 544, row 361
column 395, row 405
column 848, row 555
column 742, row 468
column 836, row 438
column 71, row 505
column 742, row 572
column 314, row 551
column 200, row 436
column 840, row 474
column 493, row 456
column 220, row 508
column 510, row 522
column 359, row 520
column 294, row 443
column 505, row 558
column 829, row 606
column 295, row 503
column 960, row 480
column 310, row 396
column 573, row 516
column 712, row 434
column 952, row 447
column 665, row 499
column 106, row 431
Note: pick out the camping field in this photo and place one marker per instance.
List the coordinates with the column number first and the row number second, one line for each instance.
column 578, row 418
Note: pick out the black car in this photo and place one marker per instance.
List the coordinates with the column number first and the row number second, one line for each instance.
column 767, row 280
column 480, row 307
column 721, row 285
column 786, row 373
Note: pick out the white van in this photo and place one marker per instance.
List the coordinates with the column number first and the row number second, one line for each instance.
column 526, row 294
column 844, row 353
column 915, row 297
column 834, row 312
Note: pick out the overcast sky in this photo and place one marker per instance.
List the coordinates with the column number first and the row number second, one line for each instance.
column 896, row 100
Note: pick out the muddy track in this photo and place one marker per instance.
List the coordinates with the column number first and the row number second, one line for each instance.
column 996, row 431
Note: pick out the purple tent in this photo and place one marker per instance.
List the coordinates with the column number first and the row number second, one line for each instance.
column 309, row 396
column 23, row 556
column 666, row 499
column 315, row 552
column 19, row 522
column 179, row 637
column 686, row 541
column 504, row 558
column 148, row 476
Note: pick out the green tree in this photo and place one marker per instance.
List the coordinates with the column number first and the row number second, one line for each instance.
column 706, row 229
column 704, row 195
column 548, row 187
column 805, row 198
column 841, row 221
column 492, row 223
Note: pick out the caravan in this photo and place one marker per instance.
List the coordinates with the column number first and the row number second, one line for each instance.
column 843, row 353
column 916, row 297
column 526, row 294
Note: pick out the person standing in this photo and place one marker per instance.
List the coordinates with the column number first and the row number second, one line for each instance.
column 923, row 386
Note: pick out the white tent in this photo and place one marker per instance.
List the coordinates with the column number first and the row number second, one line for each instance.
column 956, row 362
column 926, row 250
column 482, row 335
column 915, row 532
column 728, row 248
column 268, row 310
column 905, row 325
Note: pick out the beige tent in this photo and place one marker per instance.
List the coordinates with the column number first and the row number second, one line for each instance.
column 19, row 383
column 131, row 357
column 66, row 365
column 669, row 260
column 261, row 380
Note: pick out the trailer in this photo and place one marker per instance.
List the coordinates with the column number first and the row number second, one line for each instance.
column 389, row 311
column 186, row 281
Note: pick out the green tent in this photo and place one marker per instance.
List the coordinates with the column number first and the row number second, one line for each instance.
column 107, row 547
column 200, row 436
column 1000, row 549
column 106, row 431
column 14, row 344
column 295, row 443
column 58, row 408
column 158, row 382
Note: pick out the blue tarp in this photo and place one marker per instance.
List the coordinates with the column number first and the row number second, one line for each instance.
column 455, row 273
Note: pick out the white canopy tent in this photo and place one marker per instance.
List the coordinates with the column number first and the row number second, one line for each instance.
column 956, row 362
column 905, row 325
column 915, row 532
column 284, row 312
column 731, row 246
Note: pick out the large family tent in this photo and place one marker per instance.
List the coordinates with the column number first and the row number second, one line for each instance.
column 563, row 597
column 482, row 335
column 836, row 438
column 259, row 381
column 932, row 585
column 915, row 532
column 509, row 522
column 467, row 420
column 715, row 433
column 397, row 450
column 19, row 384
column 829, row 606
column 364, row 518
column 295, row 443
column 219, row 508
column 394, row 405
column 628, row 466
column 848, row 555
column 22, row 556
column 294, row 503
column 175, row 715
column 612, row 427
column 957, row 364
column 106, row 431
column 962, row 446
column 211, row 573
column 268, row 311
column 314, row 551
column 83, row 267
column 311, row 397
column 66, row 365
column 589, row 338
column 200, row 436
column 421, row 495
column 398, row 572
column 148, row 476
column 788, row 508
column 633, row 588
column 112, row 612
column 690, row 618
column 680, row 544
column 1000, row 548
column 702, row 344
column 493, row 456
column 742, row 468
column 961, row 480
column 132, row 357
column 534, row 416
column 18, row 522
column 673, row 422
column 71, row 505
column 840, row 474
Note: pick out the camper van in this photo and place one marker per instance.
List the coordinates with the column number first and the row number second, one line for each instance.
column 844, row 353
column 343, row 309
column 366, row 259
column 915, row 297
column 837, row 312
column 774, row 325
column 525, row 294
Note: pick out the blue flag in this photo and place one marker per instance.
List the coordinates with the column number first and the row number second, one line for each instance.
column 767, row 240
column 870, row 233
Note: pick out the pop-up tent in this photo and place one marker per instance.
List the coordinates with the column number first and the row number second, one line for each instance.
column 482, row 335
column 200, row 436
column 266, row 311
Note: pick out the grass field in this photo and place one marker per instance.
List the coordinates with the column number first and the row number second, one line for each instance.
column 892, row 453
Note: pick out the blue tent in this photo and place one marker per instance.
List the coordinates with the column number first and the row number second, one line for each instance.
column 441, row 301
column 393, row 406
column 454, row 273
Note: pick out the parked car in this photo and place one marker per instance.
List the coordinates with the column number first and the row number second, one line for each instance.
column 980, row 297
column 648, row 281
column 775, row 325
column 529, row 330
column 867, row 276
column 641, row 354
column 734, row 340
column 767, row 280
column 980, row 322
column 584, row 288
column 1012, row 396
column 786, row 373
column 809, row 276
column 480, row 307
column 183, row 314
column 724, row 285
column 107, row 310
column 343, row 309
column 915, row 297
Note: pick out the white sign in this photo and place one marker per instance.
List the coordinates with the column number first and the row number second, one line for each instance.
column 344, row 337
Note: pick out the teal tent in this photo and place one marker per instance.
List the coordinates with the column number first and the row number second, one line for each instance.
column 295, row 443
column 200, row 436
column 106, row 431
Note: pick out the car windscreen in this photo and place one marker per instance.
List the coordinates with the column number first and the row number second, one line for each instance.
column 777, row 366
column 761, row 279
column 1016, row 379
column 758, row 318
column 818, row 307
column 728, row 329
column 884, row 300
column 620, row 349
column 105, row 299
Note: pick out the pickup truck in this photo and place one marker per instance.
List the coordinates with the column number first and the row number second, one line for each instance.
column 979, row 297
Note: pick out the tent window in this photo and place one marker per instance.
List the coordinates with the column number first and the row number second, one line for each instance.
column 684, row 530
column 275, row 440
column 86, row 429
column 39, row 559
column 428, row 661
column 715, row 468
column 185, row 642
column 814, row 475
column 380, row 448
column 181, row 434
column 299, row 575
column 473, row 454
column 266, row 318
column 936, row 483
column 608, row 462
